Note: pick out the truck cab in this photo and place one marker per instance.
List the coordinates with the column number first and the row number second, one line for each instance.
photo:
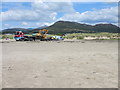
column 19, row 35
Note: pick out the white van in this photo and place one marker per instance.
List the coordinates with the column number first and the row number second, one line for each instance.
column 58, row 37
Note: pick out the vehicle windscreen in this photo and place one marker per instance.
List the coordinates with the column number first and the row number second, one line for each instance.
column 17, row 33
column 43, row 32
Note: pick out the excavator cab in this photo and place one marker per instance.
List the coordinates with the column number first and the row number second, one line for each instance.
column 41, row 34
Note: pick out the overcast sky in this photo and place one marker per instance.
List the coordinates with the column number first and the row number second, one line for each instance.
column 37, row 14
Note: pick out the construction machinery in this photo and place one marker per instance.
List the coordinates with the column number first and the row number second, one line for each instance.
column 41, row 35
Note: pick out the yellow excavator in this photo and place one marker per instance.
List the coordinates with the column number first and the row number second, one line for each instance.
column 41, row 34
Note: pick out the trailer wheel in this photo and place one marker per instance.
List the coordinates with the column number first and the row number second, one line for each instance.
column 42, row 39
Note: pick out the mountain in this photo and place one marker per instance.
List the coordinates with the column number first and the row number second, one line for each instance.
column 13, row 30
column 28, row 30
column 106, row 28
column 62, row 27
column 74, row 27
column 69, row 27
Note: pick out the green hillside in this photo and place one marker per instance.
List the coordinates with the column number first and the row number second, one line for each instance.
column 73, row 27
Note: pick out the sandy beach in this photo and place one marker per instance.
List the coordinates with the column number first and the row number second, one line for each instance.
column 60, row 64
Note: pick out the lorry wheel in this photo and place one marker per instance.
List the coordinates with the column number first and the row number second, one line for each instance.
column 22, row 39
column 41, row 39
column 30, row 39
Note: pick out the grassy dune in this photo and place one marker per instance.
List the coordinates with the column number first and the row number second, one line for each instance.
column 97, row 35
column 6, row 36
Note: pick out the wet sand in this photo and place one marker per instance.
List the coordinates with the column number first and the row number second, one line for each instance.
column 60, row 64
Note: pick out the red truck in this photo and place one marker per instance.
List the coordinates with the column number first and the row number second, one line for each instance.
column 19, row 36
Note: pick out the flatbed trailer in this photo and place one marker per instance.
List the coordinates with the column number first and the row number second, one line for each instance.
column 19, row 36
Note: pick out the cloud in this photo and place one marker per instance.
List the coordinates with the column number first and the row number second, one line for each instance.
column 26, row 15
column 43, row 24
column 66, row 7
column 24, row 23
column 6, row 25
column 40, row 12
column 109, row 15
column 46, row 13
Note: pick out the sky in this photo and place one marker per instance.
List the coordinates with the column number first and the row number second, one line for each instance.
column 36, row 14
